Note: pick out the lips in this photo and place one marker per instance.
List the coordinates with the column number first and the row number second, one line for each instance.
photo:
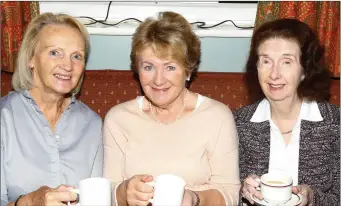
column 160, row 90
column 276, row 87
column 62, row 77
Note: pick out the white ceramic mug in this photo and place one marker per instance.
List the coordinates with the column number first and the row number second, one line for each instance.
column 168, row 190
column 276, row 187
column 94, row 191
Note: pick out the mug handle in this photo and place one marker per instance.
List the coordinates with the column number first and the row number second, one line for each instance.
column 74, row 191
column 152, row 183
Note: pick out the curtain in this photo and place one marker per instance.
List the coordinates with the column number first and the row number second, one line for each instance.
column 323, row 17
column 15, row 16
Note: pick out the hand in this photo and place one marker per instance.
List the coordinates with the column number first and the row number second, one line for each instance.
column 137, row 192
column 189, row 198
column 49, row 196
column 306, row 192
column 249, row 187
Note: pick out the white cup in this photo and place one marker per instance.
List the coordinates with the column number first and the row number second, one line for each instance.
column 168, row 190
column 94, row 191
column 276, row 187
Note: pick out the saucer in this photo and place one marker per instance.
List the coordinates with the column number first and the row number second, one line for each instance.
column 295, row 200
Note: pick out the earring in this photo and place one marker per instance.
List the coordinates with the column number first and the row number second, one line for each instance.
column 302, row 77
column 188, row 78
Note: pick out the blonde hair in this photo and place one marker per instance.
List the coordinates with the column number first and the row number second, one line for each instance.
column 170, row 36
column 23, row 77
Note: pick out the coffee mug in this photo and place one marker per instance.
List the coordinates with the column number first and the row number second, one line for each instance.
column 276, row 187
column 94, row 191
column 168, row 190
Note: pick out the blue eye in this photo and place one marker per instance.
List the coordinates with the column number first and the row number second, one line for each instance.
column 53, row 53
column 148, row 68
column 78, row 57
column 171, row 68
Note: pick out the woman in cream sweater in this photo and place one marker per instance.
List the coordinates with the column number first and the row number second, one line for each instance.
column 170, row 129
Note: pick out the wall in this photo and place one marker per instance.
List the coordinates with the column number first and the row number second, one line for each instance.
column 218, row 54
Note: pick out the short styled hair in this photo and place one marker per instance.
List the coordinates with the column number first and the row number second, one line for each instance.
column 315, row 86
column 23, row 77
column 170, row 36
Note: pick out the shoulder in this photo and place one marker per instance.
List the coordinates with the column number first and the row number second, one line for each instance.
column 244, row 114
column 216, row 109
column 122, row 110
column 87, row 112
column 329, row 112
column 6, row 101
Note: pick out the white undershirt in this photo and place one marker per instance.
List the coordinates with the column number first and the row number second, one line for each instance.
column 200, row 100
column 283, row 157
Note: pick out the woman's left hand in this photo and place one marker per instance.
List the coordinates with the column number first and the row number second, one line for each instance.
column 306, row 192
column 189, row 198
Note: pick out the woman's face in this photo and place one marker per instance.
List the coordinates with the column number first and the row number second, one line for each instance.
column 162, row 80
column 59, row 59
column 279, row 68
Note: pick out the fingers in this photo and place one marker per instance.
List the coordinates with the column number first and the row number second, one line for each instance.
column 138, row 198
column 138, row 192
column 249, row 187
column 252, row 180
column 138, row 203
column 143, row 187
column 60, row 196
column 306, row 192
column 64, row 188
column 295, row 190
column 246, row 195
column 252, row 190
column 147, row 178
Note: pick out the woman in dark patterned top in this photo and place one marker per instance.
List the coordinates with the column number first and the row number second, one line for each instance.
column 291, row 128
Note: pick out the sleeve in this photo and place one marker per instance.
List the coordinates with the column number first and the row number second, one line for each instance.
column 223, row 161
column 97, row 169
column 4, row 196
column 332, row 195
column 114, row 142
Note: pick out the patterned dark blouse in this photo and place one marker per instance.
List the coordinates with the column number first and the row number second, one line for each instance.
column 319, row 152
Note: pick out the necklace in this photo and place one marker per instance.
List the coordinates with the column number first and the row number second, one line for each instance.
column 286, row 132
column 180, row 113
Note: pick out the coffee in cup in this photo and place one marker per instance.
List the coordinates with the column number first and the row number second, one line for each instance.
column 276, row 187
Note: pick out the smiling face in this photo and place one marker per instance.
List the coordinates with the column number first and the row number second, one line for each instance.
column 279, row 68
column 162, row 80
column 59, row 59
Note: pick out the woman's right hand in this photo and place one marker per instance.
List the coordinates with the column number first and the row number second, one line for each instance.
column 49, row 196
column 249, row 187
column 137, row 191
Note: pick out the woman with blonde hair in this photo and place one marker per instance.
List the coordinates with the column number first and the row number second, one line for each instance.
column 170, row 129
column 49, row 139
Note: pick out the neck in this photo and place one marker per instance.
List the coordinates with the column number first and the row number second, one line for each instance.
column 48, row 102
column 288, row 109
column 172, row 111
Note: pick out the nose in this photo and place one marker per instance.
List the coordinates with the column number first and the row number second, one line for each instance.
column 159, row 78
column 275, row 72
column 66, row 64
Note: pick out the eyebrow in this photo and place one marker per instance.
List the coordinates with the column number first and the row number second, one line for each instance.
column 290, row 55
column 287, row 55
column 166, row 63
column 146, row 62
column 48, row 46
